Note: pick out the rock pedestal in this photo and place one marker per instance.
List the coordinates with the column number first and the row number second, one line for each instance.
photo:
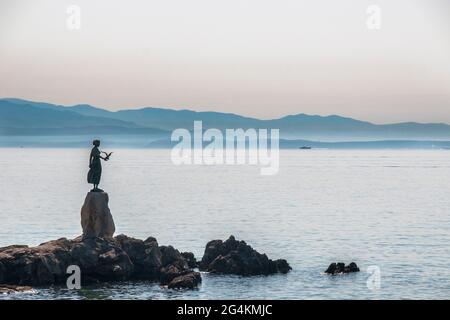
column 96, row 218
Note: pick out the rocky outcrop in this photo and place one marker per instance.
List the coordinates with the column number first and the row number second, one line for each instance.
column 120, row 258
column 145, row 255
column 101, row 257
column 99, row 260
column 171, row 256
column 8, row 289
column 190, row 259
column 96, row 218
column 175, row 271
column 163, row 263
column 340, row 267
column 125, row 258
column 237, row 257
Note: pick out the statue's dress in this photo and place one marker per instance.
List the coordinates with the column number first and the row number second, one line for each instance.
column 95, row 171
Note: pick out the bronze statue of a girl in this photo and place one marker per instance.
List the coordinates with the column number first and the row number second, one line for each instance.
column 95, row 165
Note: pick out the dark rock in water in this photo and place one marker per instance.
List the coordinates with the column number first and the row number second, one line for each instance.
column 145, row 256
column 190, row 259
column 175, row 271
column 213, row 249
column 335, row 268
column 174, row 277
column 9, row 289
column 237, row 257
column 189, row 280
column 352, row 267
column 340, row 267
column 171, row 256
column 99, row 259
column 332, row 268
column 283, row 266
column 169, row 273
column 47, row 263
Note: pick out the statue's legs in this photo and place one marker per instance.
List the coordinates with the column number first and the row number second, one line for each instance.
column 96, row 188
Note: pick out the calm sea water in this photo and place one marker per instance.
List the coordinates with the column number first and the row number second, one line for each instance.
column 382, row 208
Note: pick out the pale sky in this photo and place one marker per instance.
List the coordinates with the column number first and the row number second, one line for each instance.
column 260, row 58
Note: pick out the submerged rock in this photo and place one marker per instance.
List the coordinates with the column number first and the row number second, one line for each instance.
column 96, row 218
column 189, row 280
column 237, row 257
column 340, row 267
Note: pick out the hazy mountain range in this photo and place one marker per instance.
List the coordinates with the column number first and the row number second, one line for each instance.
column 21, row 118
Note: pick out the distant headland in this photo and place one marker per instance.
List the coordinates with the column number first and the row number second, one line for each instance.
column 21, row 121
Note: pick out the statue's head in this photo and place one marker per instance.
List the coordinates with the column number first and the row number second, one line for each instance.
column 96, row 143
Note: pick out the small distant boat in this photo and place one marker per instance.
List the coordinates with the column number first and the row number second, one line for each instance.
column 305, row 148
